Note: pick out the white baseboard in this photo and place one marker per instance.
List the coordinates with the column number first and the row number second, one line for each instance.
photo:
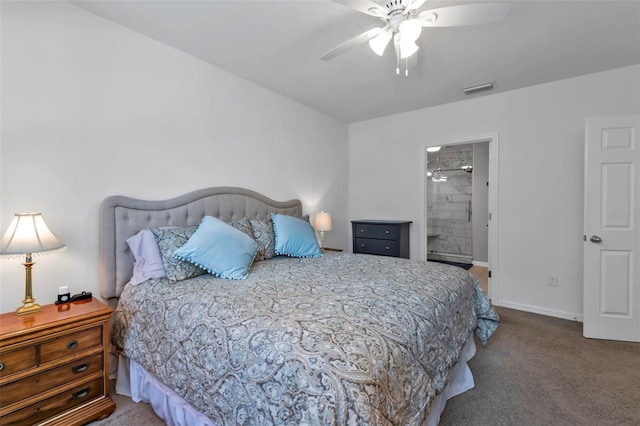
column 478, row 263
column 538, row 310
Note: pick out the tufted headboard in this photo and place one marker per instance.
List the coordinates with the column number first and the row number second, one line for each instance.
column 122, row 217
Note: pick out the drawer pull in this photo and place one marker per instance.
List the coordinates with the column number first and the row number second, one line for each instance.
column 72, row 345
column 1, row 366
column 388, row 248
column 80, row 368
column 81, row 393
column 386, row 231
column 362, row 230
column 362, row 245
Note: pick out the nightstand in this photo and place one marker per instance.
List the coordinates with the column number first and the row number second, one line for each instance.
column 54, row 365
column 381, row 237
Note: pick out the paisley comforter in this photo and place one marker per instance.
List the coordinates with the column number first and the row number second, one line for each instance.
column 342, row 339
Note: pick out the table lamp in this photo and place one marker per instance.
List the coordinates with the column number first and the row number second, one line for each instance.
column 27, row 234
column 322, row 222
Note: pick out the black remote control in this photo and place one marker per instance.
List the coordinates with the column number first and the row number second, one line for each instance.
column 82, row 296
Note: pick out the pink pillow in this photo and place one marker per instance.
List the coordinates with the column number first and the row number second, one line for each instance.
column 148, row 262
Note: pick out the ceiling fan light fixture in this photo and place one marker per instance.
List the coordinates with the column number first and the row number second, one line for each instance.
column 407, row 49
column 410, row 30
column 379, row 43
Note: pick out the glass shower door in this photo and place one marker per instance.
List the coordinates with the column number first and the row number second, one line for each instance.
column 449, row 204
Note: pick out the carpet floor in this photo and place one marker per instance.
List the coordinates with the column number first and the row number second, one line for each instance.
column 536, row 370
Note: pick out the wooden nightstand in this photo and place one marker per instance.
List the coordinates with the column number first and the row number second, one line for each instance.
column 54, row 365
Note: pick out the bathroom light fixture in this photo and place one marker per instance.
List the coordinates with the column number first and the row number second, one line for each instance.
column 478, row 88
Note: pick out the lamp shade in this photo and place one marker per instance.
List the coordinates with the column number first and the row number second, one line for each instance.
column 322, row 222
column 28, row 233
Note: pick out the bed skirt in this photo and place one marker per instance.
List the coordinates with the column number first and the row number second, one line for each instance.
column 135, row 382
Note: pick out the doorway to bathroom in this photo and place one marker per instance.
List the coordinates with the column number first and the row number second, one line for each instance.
column 460, row 200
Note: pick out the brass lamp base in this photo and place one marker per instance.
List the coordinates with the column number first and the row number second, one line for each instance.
column 28, row 308
column 30, row 305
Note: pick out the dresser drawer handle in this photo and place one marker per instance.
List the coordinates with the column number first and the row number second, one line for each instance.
column 72, row 345
column 386, row 231
column 362, row 245
column 81, row 393
column 362, row 230
column 1, row 366
column 80, row 368
column 388, row 248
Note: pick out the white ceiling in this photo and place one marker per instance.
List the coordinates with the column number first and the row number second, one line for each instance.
column 277, row 44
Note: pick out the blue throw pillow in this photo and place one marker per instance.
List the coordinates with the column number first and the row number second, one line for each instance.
column 220, row 249
column 294, row 237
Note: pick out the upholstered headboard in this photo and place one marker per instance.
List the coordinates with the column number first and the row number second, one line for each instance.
column 121, row 217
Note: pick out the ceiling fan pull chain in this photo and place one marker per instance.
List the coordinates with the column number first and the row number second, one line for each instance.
column 406, row 67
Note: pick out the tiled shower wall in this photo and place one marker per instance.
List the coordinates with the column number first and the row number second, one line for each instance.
column 448, row 203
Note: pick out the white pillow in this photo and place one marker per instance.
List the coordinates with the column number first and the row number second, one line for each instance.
column 148, row 262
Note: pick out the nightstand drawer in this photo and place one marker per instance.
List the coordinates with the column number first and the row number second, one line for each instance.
column 56, row 404
column 42, row 382
column 69, row 344
column 381, row 232
column 17, row 361
column 379, row 247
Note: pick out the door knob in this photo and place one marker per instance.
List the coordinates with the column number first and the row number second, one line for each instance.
column 595, row 239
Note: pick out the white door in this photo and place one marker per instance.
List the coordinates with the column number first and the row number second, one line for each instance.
column 612, row 229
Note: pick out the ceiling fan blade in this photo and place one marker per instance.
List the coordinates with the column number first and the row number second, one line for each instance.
column 364, row 6
column 466, row 14
column 415, row 4
column 350, row 44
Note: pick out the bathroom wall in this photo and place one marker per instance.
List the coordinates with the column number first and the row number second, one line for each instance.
column 448, row 203
column 480, row 219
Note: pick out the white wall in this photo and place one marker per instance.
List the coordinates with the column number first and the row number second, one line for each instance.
column 92, row 109
column 540, row 194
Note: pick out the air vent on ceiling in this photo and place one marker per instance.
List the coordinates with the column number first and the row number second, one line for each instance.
column 478, row 88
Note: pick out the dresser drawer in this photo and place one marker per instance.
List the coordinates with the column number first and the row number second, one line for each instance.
column 56, row 404
column 69, row 344
column 379, row 231
column 379, row 247
column 16, row 361
column 42, row 382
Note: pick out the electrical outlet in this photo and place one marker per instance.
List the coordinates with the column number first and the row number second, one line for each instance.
column 552, row 280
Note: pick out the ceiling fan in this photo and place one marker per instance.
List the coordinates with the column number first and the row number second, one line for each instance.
column 403, row 23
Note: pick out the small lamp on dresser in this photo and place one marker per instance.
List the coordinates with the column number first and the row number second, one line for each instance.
column 28, row 234
column 322, row 223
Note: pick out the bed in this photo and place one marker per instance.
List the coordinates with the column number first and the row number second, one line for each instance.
column 346, row 339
